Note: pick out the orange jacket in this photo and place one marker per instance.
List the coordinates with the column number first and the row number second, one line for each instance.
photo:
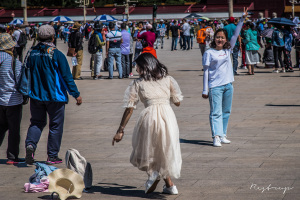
column 150, row 50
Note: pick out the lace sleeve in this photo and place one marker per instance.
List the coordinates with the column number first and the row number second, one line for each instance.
column 176, row 95
column 131, row 97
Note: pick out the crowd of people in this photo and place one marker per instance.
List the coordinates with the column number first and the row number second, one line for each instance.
column 132, row 45
column 253, row 37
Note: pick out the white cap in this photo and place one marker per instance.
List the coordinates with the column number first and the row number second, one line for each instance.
column 149, row 26
column 161, row 20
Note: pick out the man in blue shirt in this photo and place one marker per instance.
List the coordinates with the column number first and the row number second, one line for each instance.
column 230, row 28
column 113, row 50
column 51, row 78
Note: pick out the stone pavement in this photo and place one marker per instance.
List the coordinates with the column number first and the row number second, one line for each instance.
column 264, row 129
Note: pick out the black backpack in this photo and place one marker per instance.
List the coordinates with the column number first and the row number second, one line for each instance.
column 22, row 39
column 92, row 45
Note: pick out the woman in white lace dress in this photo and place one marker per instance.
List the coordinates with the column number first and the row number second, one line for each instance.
column 155, row 140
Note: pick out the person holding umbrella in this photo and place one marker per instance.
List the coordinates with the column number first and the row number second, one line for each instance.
column 278, row 47
column 278, row 40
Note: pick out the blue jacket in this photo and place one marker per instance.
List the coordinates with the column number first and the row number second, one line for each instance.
column 251, row 40
column 277, row 38
column 50, row 78
column 288, row 40
column 41, row 171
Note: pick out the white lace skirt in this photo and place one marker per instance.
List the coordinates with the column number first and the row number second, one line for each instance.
column 252, row 57
column 155, row 142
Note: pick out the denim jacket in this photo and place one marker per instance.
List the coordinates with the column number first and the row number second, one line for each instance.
column 277, row 38
column 288, row 40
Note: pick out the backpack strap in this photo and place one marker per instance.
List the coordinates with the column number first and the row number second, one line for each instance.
column 13, row 66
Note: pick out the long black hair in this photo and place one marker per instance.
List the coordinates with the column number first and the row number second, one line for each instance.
column 226, row 45
column 150, row 68
column 251, row 25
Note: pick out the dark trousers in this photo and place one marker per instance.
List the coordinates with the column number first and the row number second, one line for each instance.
column 287, row 60
column 174, row 43
column 130, row 62
column 181, row 42
column 277, row 51
column 18, row 52
column 10, row 120
column 125, row 65
column 243, row 55
column 39, row 111
column 186, row 42
column 137, row 52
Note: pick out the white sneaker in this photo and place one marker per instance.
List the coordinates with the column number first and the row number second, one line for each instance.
column 224, row 140
column 217, row 142
column 276, row 71
column 152, row 182
column 170, row 190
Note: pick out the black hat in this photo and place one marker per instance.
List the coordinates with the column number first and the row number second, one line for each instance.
column 98, row 25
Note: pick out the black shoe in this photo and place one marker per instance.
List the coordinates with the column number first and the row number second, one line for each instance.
column 156, row 48
column 120, row 77
column 161, row 47
column 175, row 49
column 188, row 49
column 80, row 78
column 29, row 159
column 95, row 77
column 53, row 160
column 109, row 78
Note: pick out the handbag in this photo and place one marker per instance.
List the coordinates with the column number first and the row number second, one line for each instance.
column 71, row 52
column 24, row 84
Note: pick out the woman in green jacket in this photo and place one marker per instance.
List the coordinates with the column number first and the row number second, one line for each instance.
column 252, row 47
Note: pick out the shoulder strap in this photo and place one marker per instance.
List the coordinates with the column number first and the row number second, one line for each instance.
column 13, row 66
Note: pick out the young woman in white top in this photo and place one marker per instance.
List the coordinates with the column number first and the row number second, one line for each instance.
column 217, row 81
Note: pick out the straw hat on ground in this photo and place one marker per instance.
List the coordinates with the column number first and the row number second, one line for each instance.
column 66, row 183
column 6, row 42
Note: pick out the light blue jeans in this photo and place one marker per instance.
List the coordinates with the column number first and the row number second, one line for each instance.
column 97, row 63
column 114, row 53
column 220, row 100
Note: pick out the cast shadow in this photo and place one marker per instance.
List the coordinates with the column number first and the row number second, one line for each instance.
column 290, row 76
column 198, row 142
column 257, row 72
column 19, row 165
column 189, row 70
column 118, row 190
column 284, row 105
